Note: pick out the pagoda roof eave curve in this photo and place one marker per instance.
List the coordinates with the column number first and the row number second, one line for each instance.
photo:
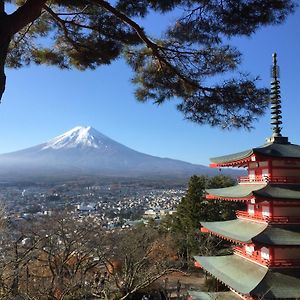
column 279, row 150
column 246, row 191
column 234, row 271
column 246, row 232
column 236, row 230
column 282, row 235
column 236, row 191
column 231, row 159
column 249, row 278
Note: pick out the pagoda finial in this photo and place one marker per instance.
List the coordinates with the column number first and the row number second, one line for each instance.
column 276, row 105
column 275, row 99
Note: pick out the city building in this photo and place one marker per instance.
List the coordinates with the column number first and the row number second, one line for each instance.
column 265, row 263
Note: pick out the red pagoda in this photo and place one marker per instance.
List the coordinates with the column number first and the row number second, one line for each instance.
column 266, row 259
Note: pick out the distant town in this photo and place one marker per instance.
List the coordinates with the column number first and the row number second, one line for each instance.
column 110, row 204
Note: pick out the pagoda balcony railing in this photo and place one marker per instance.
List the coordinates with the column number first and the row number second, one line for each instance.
column 272, row 179
column 248, row 179
column 285, row 263
column 273, row 219
column 245, row 214
column 255, row 256
column 283, row 219
column 277, row 263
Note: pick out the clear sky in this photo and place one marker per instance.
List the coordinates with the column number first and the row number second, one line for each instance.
column 41, row 102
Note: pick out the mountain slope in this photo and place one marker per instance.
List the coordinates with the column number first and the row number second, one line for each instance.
column 84, row 150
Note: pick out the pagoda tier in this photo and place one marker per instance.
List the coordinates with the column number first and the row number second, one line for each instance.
column 249, row 279
column 273, row 246
column 286, row 153
column 244, row 232
column 272, row 163
column 268, row 203
column 266, row 261
column 246, row 192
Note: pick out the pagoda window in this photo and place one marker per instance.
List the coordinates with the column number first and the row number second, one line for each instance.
column 265, row 253
column 263, row 164
column 252, row 175
column 253, row 165
column 260, row 164
column 265, row 173
column 265, row 210
column 249, row 249
column 251, row 210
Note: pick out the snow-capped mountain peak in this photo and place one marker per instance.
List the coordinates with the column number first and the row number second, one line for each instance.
column 79, row 136
column 85, row 151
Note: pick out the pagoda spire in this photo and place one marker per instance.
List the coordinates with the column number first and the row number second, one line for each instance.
column 276, row 105
column 275, row 99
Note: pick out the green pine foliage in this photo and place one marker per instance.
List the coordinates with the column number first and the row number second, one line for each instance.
column 194, row 208
column 185, row 61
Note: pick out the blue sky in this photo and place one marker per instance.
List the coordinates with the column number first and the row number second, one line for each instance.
column 41, row 102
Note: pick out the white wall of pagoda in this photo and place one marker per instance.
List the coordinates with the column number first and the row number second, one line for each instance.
column 274, row 170
column 272, row 211
column 275, row 256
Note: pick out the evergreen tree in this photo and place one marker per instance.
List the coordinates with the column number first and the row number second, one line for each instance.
column 179, row 62
column 193, row 209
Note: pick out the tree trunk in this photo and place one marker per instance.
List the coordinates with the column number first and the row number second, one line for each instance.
column 5, row 38
column 10, row 25
column 16, row 270
column 3, row 55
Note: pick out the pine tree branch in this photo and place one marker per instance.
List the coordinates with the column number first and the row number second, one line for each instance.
column 25, row 14
column 150, row 44
column 2, row 8
column 62, row 24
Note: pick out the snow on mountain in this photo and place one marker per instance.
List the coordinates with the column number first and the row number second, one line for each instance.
column 77, row 137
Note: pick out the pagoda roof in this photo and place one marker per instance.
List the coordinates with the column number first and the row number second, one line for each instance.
column 236, row 191
column 280, row 235
column 238, row 230
column 248, row 232
column 274, row 149
column 249, row 278
column 213, row 296
column 274, row 191
column 279, row 191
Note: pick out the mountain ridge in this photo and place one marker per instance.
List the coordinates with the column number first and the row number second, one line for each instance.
column 84, row 150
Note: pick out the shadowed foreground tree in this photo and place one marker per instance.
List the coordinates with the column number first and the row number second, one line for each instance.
column 52, row 258
column 193, row 209
column 62, row 257
column 178, row 63
column 143, row 255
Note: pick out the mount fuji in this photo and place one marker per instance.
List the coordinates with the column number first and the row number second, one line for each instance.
column 85, row 151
